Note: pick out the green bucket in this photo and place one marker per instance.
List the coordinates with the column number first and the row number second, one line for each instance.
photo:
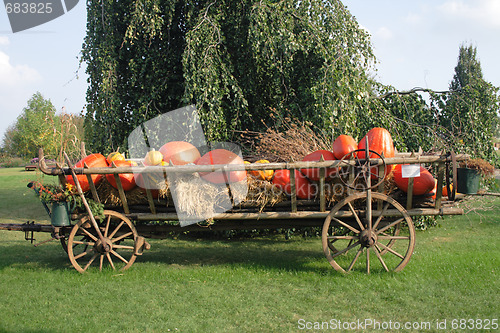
column 60, row 214
column 468, row 180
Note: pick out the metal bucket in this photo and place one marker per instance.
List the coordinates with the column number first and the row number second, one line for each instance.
column 468, row 180
column 60, row 214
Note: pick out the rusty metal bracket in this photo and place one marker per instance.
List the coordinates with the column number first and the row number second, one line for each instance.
column 28, row 232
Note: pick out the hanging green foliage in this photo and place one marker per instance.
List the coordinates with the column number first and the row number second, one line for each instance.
column 235, row 60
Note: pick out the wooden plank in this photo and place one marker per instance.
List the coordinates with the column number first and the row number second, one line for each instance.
column 151, row 203
column 239, row 167
column 322, row 195
column 93, row 190
column 121, row 192
column 409, row 194
column 299, row 215
column 439, row 186
column 293, row 191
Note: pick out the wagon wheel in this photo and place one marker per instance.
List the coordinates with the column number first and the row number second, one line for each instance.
column 118, row 249
column 349, row 233
column 355, row 172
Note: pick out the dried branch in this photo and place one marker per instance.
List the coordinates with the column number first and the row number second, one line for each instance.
column 412, row 91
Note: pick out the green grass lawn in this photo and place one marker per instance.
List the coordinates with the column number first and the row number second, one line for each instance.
column 254, row 285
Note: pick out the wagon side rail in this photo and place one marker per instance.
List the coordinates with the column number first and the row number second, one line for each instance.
column 440, row 160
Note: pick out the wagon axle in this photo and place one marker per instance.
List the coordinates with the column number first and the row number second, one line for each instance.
column 367, row 238
column 103, row 246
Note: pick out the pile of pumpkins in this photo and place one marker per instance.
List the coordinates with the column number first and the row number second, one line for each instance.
column 184, row 153
column 379, row 140
column 174, row 153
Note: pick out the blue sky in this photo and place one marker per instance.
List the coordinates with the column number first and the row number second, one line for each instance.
column 416, row 44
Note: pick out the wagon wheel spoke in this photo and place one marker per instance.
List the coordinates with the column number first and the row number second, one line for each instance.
column 358, row 174
column 87, row 244
column 116, row 230
column 344, row 171
column 388, row 249
column 116, row 246
column 81, row 255
column 355, row 259
column 119, row 256
column 379, row 256
column 391, row 238
column 90, row 262
column 345, row 225
column 351, row 208
column 120, row 243
column 368, row 260
column 107, row 226
column 110, row 261
column 390, row 225
column 382, row 214
column 117, row 239
column 342, row 237
column 346, row 234
column 88, row 233
column 394, row 237
column 345, row 250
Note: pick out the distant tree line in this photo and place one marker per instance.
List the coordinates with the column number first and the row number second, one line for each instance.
column 40, row 126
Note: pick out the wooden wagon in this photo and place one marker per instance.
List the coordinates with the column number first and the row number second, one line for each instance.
column 366, row 227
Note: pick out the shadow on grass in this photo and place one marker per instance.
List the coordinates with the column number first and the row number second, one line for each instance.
column 260, row 254
column 17, row 255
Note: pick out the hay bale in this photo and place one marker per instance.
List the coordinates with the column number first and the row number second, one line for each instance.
column 263, row 193
column 195, row 197
column 109, row 195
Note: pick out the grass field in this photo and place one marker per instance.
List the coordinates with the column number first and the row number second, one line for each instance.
column 254, row 285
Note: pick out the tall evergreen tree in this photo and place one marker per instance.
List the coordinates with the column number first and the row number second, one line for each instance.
column 470, row 110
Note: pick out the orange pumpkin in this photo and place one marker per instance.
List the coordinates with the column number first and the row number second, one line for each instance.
column 380, row 141
column 262, row 174
column 221, row 156
column 304, row 188
column 179, row 152
column 127, row 179
column 421, row 185
column 91, row 161
column 343, row 145
column 434, row 190
column 445, row 190
column 313, row 173
column 282, row 180
column 149, row 180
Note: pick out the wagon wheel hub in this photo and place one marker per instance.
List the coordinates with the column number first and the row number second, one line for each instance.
column 367, row 238
column 103, row 246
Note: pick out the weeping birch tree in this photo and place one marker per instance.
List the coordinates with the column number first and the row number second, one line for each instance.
column 237, row 61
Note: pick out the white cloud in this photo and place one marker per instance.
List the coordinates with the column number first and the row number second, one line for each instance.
column 4, row 40
column 15, row 74
column 483, row 12
column 384, row 33
column 413, row 18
